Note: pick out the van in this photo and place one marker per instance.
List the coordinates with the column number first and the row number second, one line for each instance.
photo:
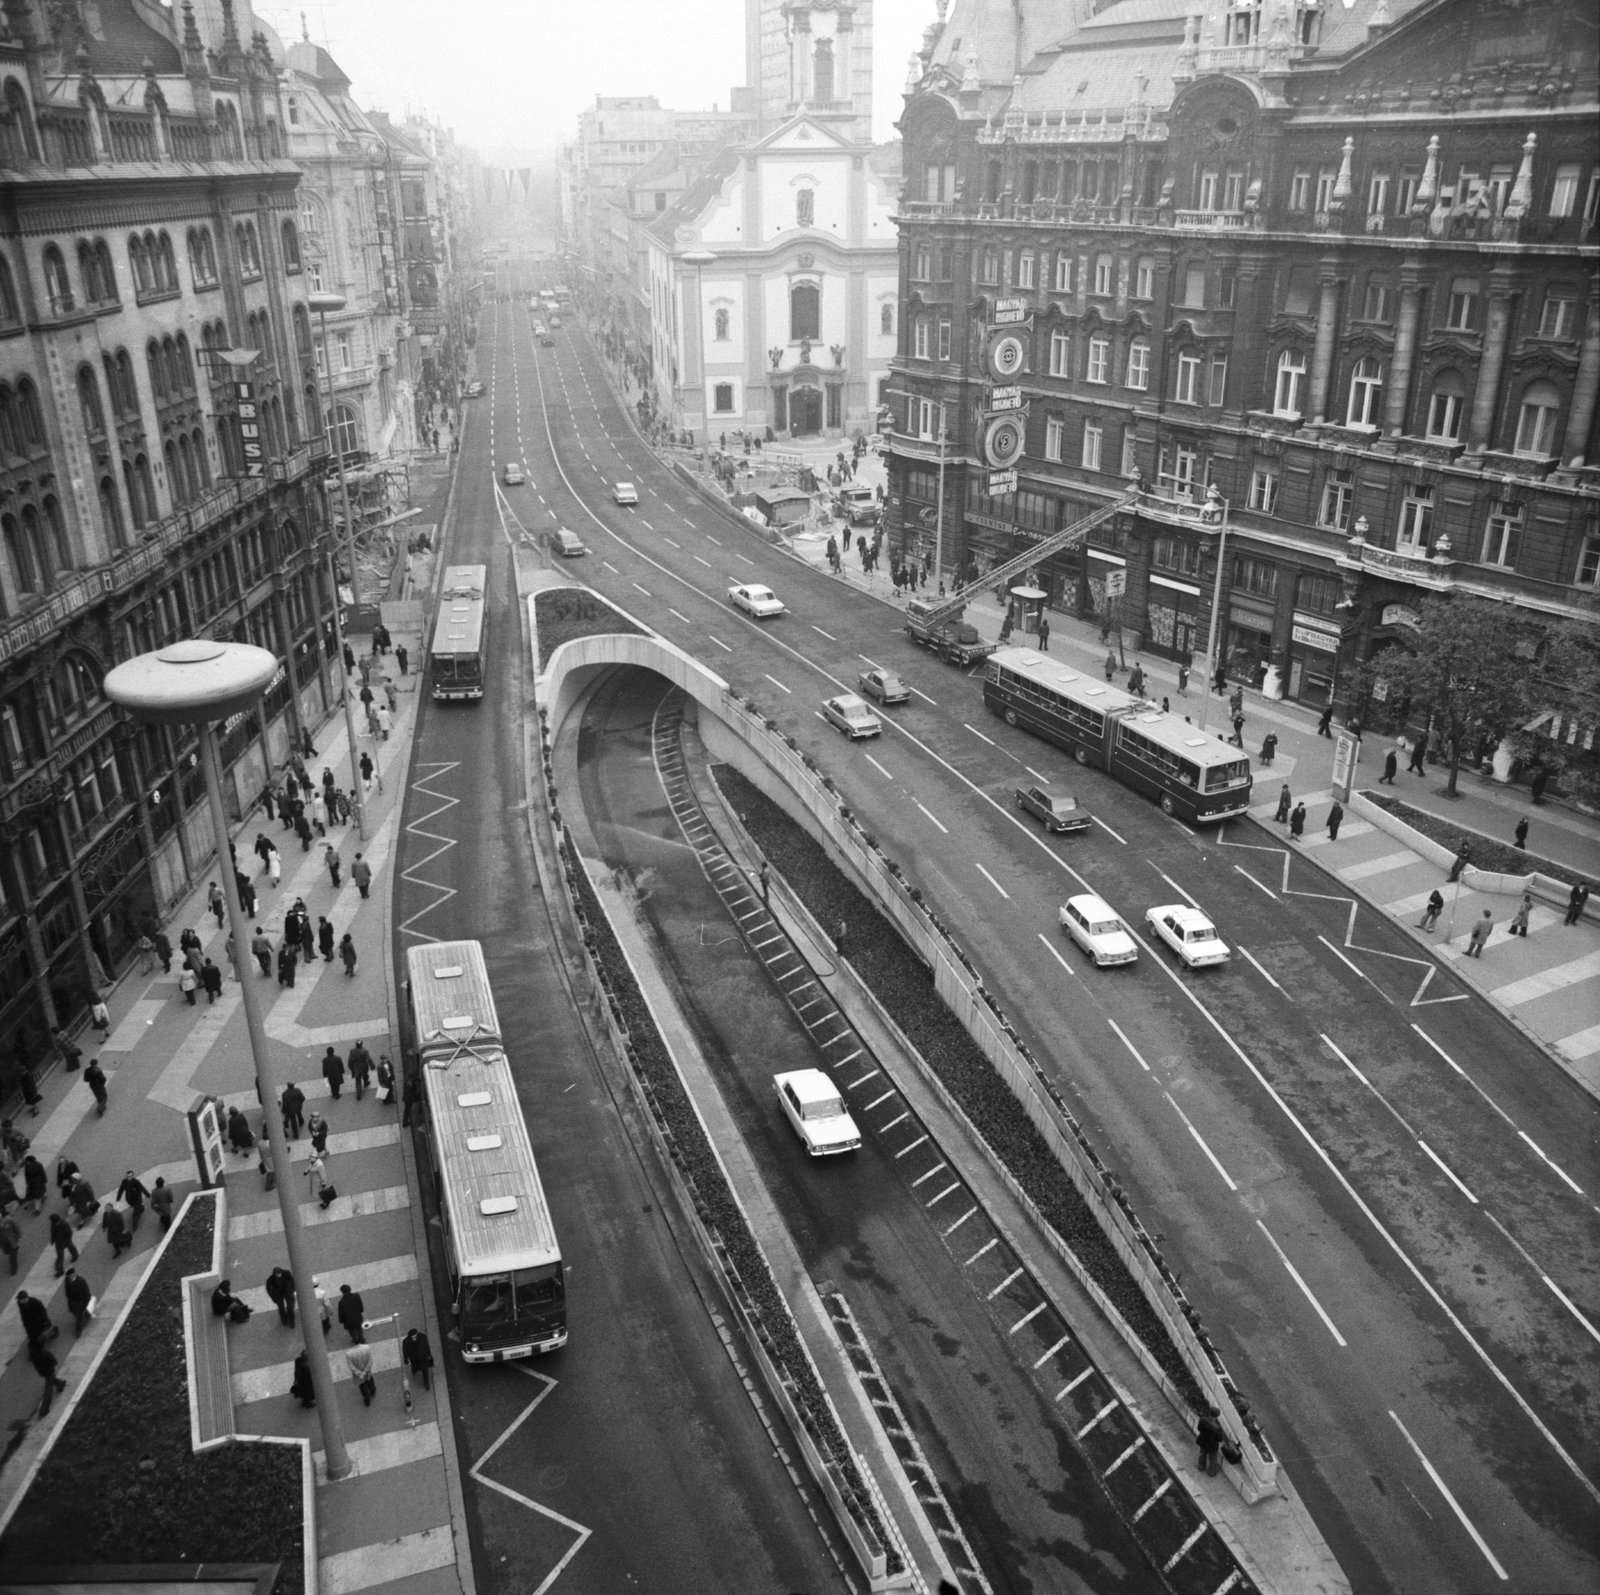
column 566, row 543
column 855, row 505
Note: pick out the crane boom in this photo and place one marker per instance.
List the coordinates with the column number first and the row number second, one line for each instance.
column 1053, row 544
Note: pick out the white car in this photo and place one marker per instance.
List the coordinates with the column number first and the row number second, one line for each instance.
column 513, row 474
column 1189, row 934
column 851, row 715
column 817, row 1112
column 1093, row 924
column 759, row 601
column 625, row 493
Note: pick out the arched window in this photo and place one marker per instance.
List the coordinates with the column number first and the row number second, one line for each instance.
column 135, row 502
column 1291, row 380
column 1538, row 420
column 822, row 75
column 291, row 247
column 1366, row 394
column 139, row 263
column 805, row 312
column 111, row 513
column 58, row 550
column 125, row 381
column 1447, row 406
column 183, row 364
column 108, row 272
column 10, row 309
column 147, row 487
column 168, row 263
column 169, row 364
column 30, row 415
column 89, row 273
column 17, row 141
column 10, row 431
column 721, row 324
column 57, row 284
column 202, row 257
column 191, row 479
column 228, row 131
column 22, row 553
column 344, row 431
column 174, row 476
column 886, row 320
column 202, row 463
column 252, row 248
column 1139, row 363
column 158, row 375
column 94, row 418
column 302, row 332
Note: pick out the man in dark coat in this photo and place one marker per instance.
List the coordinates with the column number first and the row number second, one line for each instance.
column 333, row 1072
column 360, row 1068
column 133, row 1192
column 35, row 1318
column 301, row 1388
column 61, row 1239
column 293, row 1103
column 418, row 1355
column 78, row 1298
column 163, row 950
column 280, row 1292
column 261, row 947
column 44, row 1364
column 325, row 940
column 1391, row 767
column 352, row 1314
column 1284, row 800
column 1335, row 818
column 211, row 979
column 288, row 957
column 1575, row 901
column 1297, row 821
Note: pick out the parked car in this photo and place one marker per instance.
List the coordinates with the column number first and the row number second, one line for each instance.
column 851, row 715
column 759, row 601
column 566, row 543
column 625, row 493
column 1056, row 811
column 473, row 390
column 547, row 342
column 512, row 475
column 884, row 685
column 1189, row 934
column 1093, row 924
column 814, row 1107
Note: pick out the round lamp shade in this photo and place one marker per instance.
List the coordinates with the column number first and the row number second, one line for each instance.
column 196, row 680
column 1029, row 593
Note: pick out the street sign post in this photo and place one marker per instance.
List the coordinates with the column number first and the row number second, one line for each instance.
column 1116, row 583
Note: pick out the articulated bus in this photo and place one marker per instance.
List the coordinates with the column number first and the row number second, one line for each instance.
column 1193, row 774
column 507, row 1282
column 461, row 634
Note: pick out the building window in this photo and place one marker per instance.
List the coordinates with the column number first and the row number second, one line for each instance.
column 1144, row 279
column 1188, row 390
column 1366, row 393
column 1053, row 433
column 1219, row 380
column 1320, row 595
column 1380, row 302
column 1300, row 190
column 1176, row 469
column 1139, row 364
column 722, row 398
column 344, row 431
column 1462, row 307
column 1589, row 561
column 1564, row 191
column 886, row 320
column 1210, row 188
column 1502, row 535
column 719, row 323
column 1377, row 193
column 343, row 351
column 1291, row 378
column 1173, row 553
column 1194, row 287
column 944, row 337
column 291, row 246
column 989, row 267
column 1297, row 293
column 1326, row 178
column 1103, row 274
column 1063, row 279
column 1447, row 407
column 1537, row 421
column 945, row 263
column 1558, row 317
column 1337, row 494
column 805, row 312
column 1093, row 435
column 922, row 418
column 1025, row 270
column 919, row 339
column 1264, row 490
column 1227, row 290
column 804, row 207
column 1099, row 359
column 1060, row 353
column 1258, row 576
column 57, row 285
column 1130, row 450
column 938, row 183
column 921, row 261
column 1405, row 192
column 1416, row 519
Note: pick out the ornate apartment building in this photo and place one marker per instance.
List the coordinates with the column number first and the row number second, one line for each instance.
column 1322, row 275
column 149, row 226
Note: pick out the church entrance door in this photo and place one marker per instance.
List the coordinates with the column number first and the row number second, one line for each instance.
column 805, row 412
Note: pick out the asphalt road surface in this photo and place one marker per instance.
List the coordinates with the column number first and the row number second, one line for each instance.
column 642, row 1450
column 1385, row 1211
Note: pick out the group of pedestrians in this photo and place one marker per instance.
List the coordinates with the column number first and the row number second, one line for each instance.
column 301, row 942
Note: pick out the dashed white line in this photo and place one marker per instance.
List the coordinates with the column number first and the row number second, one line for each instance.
column 878, row 767
column 978, row 734
column 647, row 526
column 1118, row 1028
column 991, row 880
column 1305, row 1289
column 828, row 634
column 610, row 567
column 1259, row 970
column 711, row 539
column 645, row 590
column 705, row 562
column 941, row 827
column 684, row 618
column 921, row 694
column 1199, row 1141
column 741, row 556
column 778, row 684
column 1104, row 827
column 1449, row 1172
column 1172, row 883
column 1455, row 1506
column 720, row 643
column 666, row 539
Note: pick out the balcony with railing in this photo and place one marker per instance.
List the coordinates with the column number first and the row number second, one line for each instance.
column 1217, row 220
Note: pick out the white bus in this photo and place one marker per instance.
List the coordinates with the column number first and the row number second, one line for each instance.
column 460, row 634
column 507, row 1283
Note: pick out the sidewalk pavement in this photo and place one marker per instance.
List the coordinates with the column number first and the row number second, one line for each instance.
column 398, row 1516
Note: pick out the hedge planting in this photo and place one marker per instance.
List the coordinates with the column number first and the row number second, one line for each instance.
column 562, row 613
column 741, row 1254
column 121, row 1485
column 905, row 986
column 1500, row 858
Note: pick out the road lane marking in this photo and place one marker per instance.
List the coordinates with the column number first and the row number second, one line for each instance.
column 954, row 1185
column 1551, row 1161
column 1027, row 1318
column 958, row 1223
column 1455, row 1506
column 1104, row 827
column 1257, row 884
column 992, row 881
column 1305, row 1289
column 645, row 590
column 941, row 827
column 711, row 539
column 1010, row 1279
column 878, row 767
column 1199, row 1141
column 1475, row 1086
column 979, row 735
column 774, row 680
column 610, row 567
column 741, row 556
column 1120, row 1037
column 1041, row 1361
column 1055, row 952
column 1035, row 774
column 1353, row 968
column 1173, row 884
column 720, row 643
column 937, row 1168
column 1259, row 970
column 988, row 1246
column 1448, row 1171
column 828, row 634
column 871, row 663
column 643, row 522
column 884, row 1129
column 921, row 694
column 684, row 618
column 1071, row 1385
column 907, row 1150
column 705, row 562
column 666, row 539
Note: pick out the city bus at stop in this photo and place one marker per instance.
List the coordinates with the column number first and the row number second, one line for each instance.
column 507, row 1281
column 1194, row 775
column 457, row 659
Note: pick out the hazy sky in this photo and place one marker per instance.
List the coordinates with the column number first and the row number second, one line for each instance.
column 517, row 72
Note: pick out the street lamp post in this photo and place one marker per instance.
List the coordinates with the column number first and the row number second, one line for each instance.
column 322, row 303
column 1216, row 604
column 700, row 259
column 938, row 524
column 195, row 683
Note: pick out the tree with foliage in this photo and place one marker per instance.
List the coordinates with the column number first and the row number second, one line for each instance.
column 1478, row 670
column 1568, row 715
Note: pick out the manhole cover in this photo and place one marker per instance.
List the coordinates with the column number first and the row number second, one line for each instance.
column 552, row 1478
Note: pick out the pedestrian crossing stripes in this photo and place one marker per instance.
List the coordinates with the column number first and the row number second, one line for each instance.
column 380, row 1452
column 1378, row 866
column 273, row 1380
column 360, row 1277
column 349, row 1571
column 387, row 1199
column 1548, row 980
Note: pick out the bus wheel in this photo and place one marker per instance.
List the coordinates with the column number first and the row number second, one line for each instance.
column 1167, row 805
column 1011, row 717
column 1081, row 755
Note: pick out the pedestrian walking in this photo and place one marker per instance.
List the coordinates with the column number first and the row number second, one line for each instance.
column 359, row 1358
column 288, row 957
column 29, row 1088
column 385, row 1078
column 216, row 902
column 334, row 862
column 1391, row 766
column 15, row 1143
column 1209, row 1435
column 1325, row 722
column 44, row 1364
column 116, row 1228
column 380, row 712
column 1353, row 726
column 325, row 938
column 211, row 979
column 292, row 1103
column 1462, row 859
column 1044, row 634
column 274, row 865
column 36, row 1321
column 1418, row 753
column 321, row 1186
column 1537, row 784
column 1521, row 832
column 308, row 941
column 1136, row 681
column 83, row 1200
column 35, row 1184
column 161, row 1202
column 95, row 1078
column 391, row 695
column 302, row 829
column 418, row 1355
column 1269, row 747
column 1284, row 800
column 99, row 1017
column 71, row 1053
column 1238, row 729
column 10, row 1239
column 352, row 1314
column 411, row 1101
column 1110, row 664
column 766, row 882
column 261, row 947
column 79, row 1297
column 361, row 874
column 240, row 1136
column 133, row 1192
column 1297, row 822
column 333, row 1071
column 146, row 950
column 401, row 656
column 188, row 984
column 280, row 1292
column 317, row 1129
column 1183, row 680
column 1519, row 920
column 360, row 1068
column 301, row 1387
column 1480, row 935
column 1575, row 902
column 1435, row 908
column 366, row 767
column 347, row 952
column 1335, row 819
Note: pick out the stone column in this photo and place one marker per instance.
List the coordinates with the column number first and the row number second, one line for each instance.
column 1405, row 350
column 1322, row 355
column 1580, row 413
column 280, row 617
column 1485, row 398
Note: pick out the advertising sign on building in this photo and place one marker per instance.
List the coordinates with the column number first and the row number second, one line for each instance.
column 1400, row 615
column 1005, row 399
column 1312, row 638
column 1116, row 583
column 1008, row 312
column 1002, row 482
column 255, row 454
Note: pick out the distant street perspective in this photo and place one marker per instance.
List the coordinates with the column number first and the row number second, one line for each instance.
column 836, row 844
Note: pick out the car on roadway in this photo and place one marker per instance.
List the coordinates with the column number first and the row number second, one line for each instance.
column 1056, row 811
column 625, row 493
column 756, row 600
column 547, row 342
column 852, row 716
column 1189, row 934
column 884, row 685
column 812, row 1104
column 567, row 544
column 555, row 321
column 473, row 390
column 1096, row 927
column 538, row 329
column 512, row 475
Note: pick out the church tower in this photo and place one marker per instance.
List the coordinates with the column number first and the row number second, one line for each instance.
column 815, row 54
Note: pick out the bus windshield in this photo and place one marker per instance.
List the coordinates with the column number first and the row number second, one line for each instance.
column 505, row 1298
column 1222, row 776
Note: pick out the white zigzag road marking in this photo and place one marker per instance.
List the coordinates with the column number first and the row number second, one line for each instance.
column 476, row 1472
column 1427, row 965
column 414, row 828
